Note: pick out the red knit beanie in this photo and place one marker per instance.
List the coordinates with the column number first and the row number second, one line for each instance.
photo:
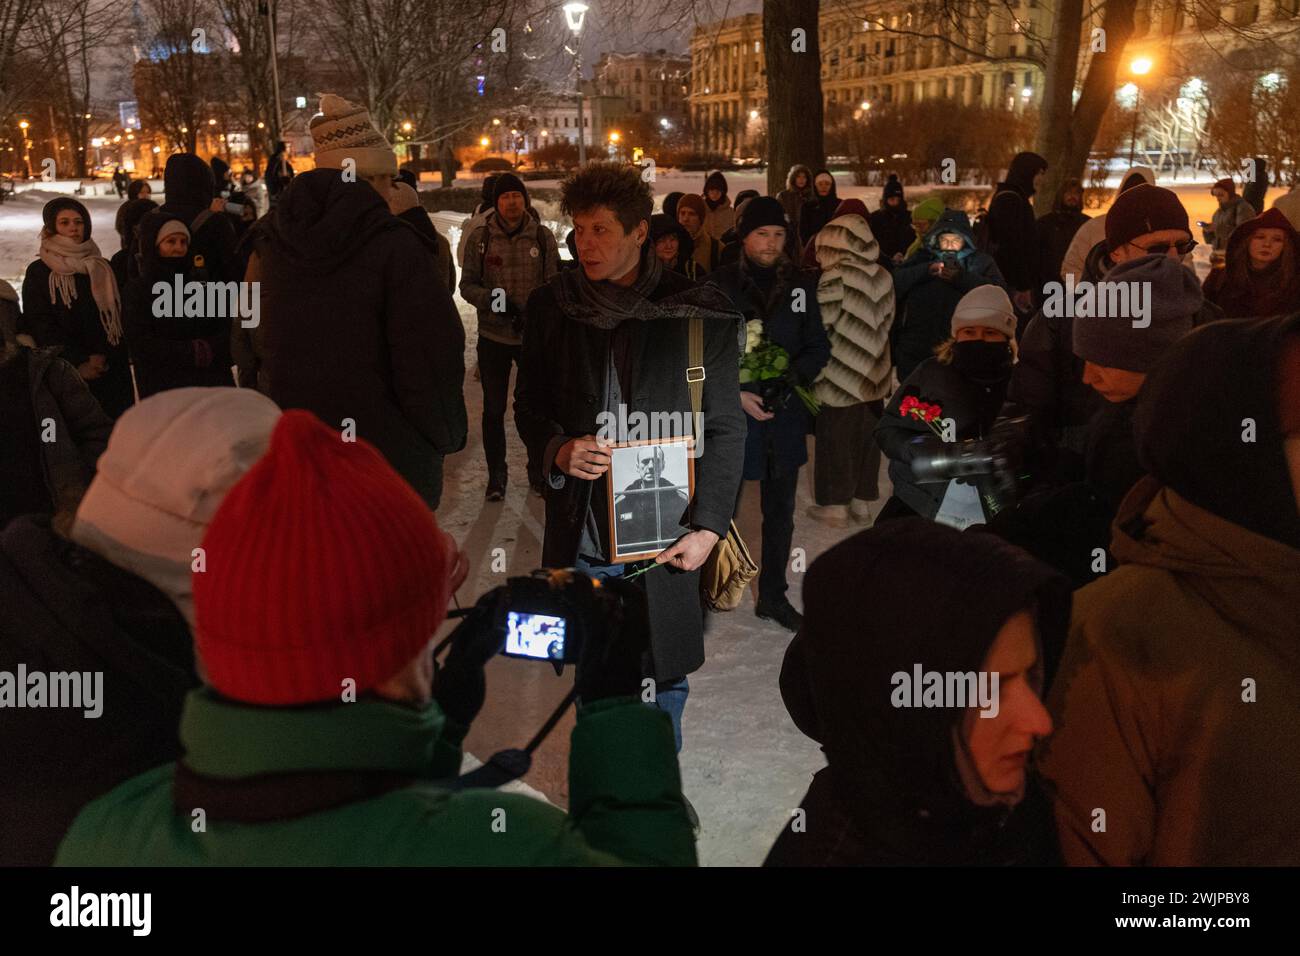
column 322, row 564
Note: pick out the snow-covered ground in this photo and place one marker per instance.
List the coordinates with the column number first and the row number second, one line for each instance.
column 744, row 765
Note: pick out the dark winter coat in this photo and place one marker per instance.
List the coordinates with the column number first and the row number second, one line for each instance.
column 355, row 325
column 67, row 609
column 779, row 446
column 1154, row 721
column 558, row 395
column 685, row 264
column 365, row 784
column 54, row 393
column 1047, row 385
column 817, row 212
column 177, row 351
column 893, row 230
column 792, row 201
column 1055, row 231
column 188, row 189
column 77, row 331
column 444, row 266
column 972, row 407
column 924, row 302
column 1243, row 292
column 1012, row 237
column 892, row 792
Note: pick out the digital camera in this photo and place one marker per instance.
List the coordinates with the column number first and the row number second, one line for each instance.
column 544, row 616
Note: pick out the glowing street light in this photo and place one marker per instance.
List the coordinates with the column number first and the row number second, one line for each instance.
column 864, row 106
column 484, row 141
column 212, row 122
column 1140, row 66
column 574, row 15
column 614, row 136
column 23, row 124
column 407, row 126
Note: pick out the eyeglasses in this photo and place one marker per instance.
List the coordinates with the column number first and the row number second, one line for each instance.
column 1162, row 248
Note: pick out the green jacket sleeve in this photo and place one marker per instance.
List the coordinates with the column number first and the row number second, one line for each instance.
column 625, row 790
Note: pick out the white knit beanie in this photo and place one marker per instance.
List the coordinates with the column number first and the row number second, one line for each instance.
column 344, row 131
column 168, row 228
column 986, row 305
column 169, row 463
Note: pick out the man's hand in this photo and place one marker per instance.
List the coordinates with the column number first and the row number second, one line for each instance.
column 690, row 550
column 898, row 257
column 582, row 458
column 752, row 403
column 1023, row 300
column 936, row 268
column 217, row 205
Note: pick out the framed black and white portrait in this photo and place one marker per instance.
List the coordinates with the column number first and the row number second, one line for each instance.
column 650, row 484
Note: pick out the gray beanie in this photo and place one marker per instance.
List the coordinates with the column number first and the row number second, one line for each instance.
column 985, row 305
column 1135, row 343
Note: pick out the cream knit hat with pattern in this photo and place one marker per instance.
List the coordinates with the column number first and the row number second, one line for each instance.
column 344, row 131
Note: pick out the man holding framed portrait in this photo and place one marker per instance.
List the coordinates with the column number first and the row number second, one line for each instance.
column 606, row 347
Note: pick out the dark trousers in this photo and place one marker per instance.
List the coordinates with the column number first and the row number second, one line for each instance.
column 847, row 462
column 494, row 361
column 776, row 496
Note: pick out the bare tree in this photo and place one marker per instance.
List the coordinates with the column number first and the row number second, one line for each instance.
column 178, row 75
column 247, row 23
column 67, row 34
column 15, row 82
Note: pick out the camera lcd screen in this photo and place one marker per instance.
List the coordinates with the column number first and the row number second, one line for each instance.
column 539, row 636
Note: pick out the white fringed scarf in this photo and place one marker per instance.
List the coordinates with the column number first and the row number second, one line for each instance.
column 65, row 259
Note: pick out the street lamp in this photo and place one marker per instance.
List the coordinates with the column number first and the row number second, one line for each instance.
column 574, row 14
column 1141, row 66
column 27, row 147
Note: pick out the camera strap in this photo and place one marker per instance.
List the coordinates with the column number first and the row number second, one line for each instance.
column 507, row 765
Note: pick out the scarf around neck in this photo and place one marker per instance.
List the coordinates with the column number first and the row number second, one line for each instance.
column 605, row 305
column 65, row 259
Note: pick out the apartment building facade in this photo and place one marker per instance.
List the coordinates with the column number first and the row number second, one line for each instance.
column 872, row 56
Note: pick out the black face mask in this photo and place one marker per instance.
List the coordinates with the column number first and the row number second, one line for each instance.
column 983, row 362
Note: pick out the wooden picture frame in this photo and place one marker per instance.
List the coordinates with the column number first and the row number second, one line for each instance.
column 644, row 521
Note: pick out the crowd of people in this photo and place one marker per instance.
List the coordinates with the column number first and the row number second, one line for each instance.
column 236, row 522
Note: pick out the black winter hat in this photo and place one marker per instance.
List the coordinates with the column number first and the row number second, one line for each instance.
column 1143, row 209
column 508, row 183
column 760, row 211
column 670, row 204
column 187, row 183
column 745, row 195
column 1188, row 424
column 407, row 176
column 716, row 180
column 129, row 215
column 1024, row 167
column 52, row 209
column 892, row 188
